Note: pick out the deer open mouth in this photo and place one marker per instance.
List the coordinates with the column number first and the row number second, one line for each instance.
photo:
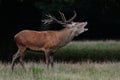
column 85, row 29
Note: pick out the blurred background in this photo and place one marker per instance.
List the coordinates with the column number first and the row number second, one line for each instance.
column 103, row 17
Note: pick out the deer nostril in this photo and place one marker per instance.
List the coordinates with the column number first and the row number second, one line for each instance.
column 85, row 23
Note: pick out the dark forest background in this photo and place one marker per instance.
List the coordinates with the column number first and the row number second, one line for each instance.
column 103, row 17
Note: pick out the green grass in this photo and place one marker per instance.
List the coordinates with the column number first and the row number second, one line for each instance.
column 62, row 71
column 88, row 66
column 94, row 50
column 108, row 50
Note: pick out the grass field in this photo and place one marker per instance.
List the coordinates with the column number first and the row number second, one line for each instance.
column 62, row 71
column 94, row 60
column 101, row 50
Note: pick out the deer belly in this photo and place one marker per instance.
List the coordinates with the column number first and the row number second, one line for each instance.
column 36, row 48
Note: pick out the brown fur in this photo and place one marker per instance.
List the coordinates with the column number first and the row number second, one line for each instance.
column 43, row 39
column 48, row 41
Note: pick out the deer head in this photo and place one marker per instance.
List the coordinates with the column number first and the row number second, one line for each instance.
column 76, row 27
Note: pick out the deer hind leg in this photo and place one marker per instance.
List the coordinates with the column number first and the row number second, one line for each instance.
column 21, row 62
column 22, row 49
column 15, row 56
column 19, row 55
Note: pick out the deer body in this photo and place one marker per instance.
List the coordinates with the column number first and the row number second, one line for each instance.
column 47, row 41
column 40, row 40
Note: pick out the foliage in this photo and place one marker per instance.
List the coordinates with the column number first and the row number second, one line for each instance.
column 103, row 7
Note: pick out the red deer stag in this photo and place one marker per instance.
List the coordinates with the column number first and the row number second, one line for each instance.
column 47, row 41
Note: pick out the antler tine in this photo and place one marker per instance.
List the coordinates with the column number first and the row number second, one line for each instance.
column 71, row 19
column 44, row 21
column 63, row 16
column 49, row 16
column 47, row 21
column 51, row 19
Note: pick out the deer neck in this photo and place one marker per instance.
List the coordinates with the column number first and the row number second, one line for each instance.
column 65, row 36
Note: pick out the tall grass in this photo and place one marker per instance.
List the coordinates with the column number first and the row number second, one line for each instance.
column 62, row 71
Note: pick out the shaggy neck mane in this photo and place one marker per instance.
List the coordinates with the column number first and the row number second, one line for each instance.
column 65, row 36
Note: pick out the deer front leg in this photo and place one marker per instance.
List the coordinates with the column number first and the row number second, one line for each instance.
column 47, row 57
column 51, row 59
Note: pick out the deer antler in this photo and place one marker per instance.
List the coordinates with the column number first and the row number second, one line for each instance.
column 71, row 19
column 51, row 19
column 63, row 16
column 47, row 21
